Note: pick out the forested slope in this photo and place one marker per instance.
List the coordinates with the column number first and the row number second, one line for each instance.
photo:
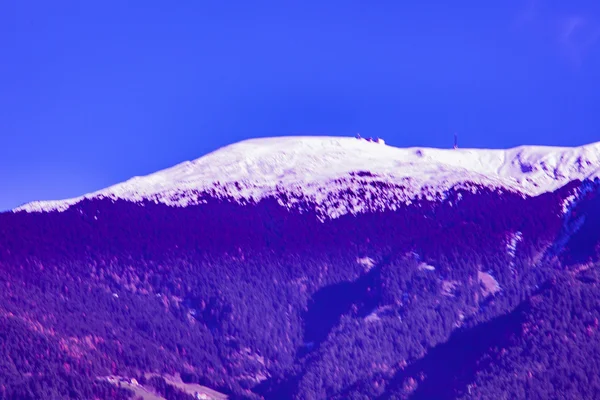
column 257, row 300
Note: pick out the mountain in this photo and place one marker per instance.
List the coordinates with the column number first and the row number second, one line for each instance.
column 309, row 268
column 330, row 172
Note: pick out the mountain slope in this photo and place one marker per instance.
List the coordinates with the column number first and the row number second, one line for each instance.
column 332, row 297
column 329, row 171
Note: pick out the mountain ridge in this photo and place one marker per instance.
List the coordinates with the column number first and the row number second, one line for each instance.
column 342, row 175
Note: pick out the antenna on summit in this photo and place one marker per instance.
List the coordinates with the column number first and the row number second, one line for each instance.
column 455, row 140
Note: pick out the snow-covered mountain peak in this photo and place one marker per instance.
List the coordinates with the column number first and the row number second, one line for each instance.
column 331, row 171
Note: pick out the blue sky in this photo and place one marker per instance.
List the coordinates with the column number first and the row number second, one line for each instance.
column 96, row 92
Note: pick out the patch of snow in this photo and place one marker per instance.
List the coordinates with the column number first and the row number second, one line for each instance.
column 426, row 267
column 341, row 175
column 373, row 317
column 513, row 240
column 568, row 203
column 366, row 262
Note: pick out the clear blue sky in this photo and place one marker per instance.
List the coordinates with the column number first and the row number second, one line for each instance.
column 94, row 92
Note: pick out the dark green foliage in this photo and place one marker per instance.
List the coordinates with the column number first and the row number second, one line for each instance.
column 257, row 300
column 557, row 352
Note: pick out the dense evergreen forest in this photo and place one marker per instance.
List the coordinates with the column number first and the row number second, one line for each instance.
column 483, row 294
